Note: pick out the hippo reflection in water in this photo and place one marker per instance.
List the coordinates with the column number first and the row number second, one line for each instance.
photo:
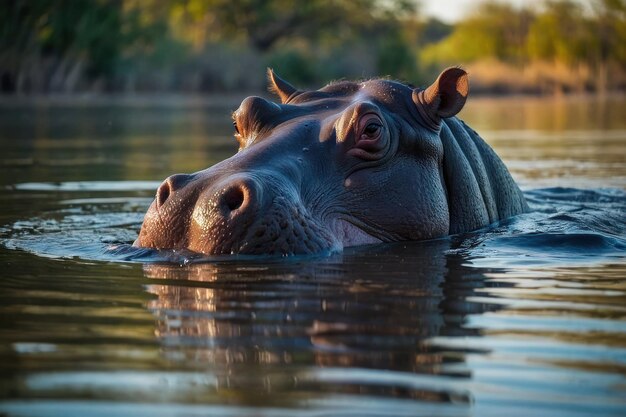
column 349, row 164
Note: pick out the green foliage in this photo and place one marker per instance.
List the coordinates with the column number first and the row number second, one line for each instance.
column 294, row 65
column 47, row 45
column 395, row 58
column 433, row 31
column 494, row 30
column 610, row 29
column 561, row 31
column 220, row 45
column 66, row 45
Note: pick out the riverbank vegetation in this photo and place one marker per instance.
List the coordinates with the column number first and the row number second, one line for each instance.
column 200, row 46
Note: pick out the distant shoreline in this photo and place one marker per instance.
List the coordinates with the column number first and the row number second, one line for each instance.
column 234, row 99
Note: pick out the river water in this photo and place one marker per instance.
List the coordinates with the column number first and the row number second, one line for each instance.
column 525, row 317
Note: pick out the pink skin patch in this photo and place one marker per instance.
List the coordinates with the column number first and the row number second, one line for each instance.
column 350, row 235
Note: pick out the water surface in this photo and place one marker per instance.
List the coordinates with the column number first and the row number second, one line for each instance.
column 525, row 317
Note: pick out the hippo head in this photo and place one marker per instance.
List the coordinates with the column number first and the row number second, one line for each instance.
column 349, row 164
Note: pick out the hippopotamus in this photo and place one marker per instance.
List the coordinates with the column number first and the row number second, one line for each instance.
column 352, row 163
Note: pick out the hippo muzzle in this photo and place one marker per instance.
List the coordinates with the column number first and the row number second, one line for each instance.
column 239, row 214
column 350, row 164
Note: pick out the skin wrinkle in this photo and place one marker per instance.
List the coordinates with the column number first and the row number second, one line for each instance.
column 466, row 207
column 179, row 233
column 322, row 199
column 319, row 201
column 477, row 164
column 466, row 151
column 369, row 225
column 508, row 198
column 444, row 186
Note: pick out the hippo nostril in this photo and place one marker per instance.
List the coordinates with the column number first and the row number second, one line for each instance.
column 234, row 198
column 171, row 185
column 163, row 193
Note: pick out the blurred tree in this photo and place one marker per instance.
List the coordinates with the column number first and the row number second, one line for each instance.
column 219, row 45
column 395, row 57
column 433, row 30
column 19, row 24
column 294, row 65
column 562, row 33
column 494, row 30
column 47, row 45
column 307, row 40
column 610, row 31
column 263, row 23
column 611, row 27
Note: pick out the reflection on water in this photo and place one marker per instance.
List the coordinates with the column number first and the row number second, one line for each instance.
column 525, row 317
column 242, row 320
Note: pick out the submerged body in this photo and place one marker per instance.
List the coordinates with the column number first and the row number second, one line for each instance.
column 350, row 164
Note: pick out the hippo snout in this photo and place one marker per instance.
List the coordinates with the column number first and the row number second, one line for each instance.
column 234, row 196
column 184, row 209
column 249, row 216
column 236, row 214
column 222, row 214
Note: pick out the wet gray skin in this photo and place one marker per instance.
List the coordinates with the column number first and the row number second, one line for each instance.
column 349, row 164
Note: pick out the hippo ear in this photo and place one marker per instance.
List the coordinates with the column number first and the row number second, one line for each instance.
column 444, row 98
column 280, row 87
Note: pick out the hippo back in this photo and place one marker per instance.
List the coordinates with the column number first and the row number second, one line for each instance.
column 480, row 188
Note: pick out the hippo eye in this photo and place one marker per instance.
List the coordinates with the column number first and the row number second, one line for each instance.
column 236, row 127
column 372, row 130
column 369, row 128
column 371, row 142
